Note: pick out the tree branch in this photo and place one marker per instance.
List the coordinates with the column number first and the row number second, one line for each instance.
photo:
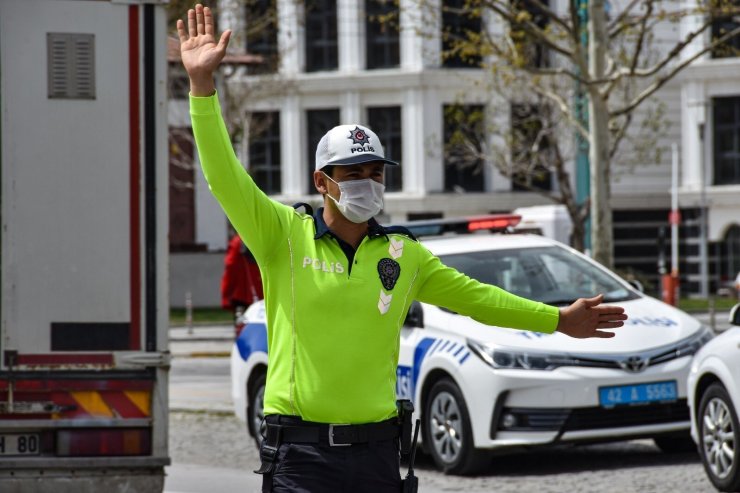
column 530, row 28
column 619, row 23
column 677, row 49
column 660, row 82
column 565, row 109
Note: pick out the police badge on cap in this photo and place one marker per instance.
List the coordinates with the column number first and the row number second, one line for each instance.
column 389, row 270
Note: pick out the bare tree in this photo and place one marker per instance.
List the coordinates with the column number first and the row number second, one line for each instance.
column 538, row 55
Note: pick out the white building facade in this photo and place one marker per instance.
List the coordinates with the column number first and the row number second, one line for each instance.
column 337, row 65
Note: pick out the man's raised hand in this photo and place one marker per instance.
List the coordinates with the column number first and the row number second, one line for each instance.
column 199, row 50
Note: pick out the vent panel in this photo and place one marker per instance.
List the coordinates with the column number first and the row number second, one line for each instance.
column 71, row 65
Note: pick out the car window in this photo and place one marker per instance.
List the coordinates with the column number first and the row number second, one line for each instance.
column 551, row 275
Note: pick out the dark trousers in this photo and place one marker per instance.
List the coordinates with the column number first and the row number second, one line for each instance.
column 371, row 467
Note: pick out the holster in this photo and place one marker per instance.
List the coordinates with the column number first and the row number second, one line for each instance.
column 405, row 412
column 269, row 448
column 410, row 484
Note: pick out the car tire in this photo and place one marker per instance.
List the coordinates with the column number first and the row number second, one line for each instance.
column 719, row 434
column 675, row 443
column 448, row 435
column 256, row 408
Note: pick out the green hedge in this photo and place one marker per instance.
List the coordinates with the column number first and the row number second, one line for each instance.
column 213, row 315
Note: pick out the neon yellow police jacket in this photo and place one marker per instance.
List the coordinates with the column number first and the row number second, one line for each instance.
column 333, row 330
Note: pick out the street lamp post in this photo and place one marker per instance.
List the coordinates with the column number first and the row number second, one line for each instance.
column 703, row 235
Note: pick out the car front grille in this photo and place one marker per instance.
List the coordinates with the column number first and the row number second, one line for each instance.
column 591, row 418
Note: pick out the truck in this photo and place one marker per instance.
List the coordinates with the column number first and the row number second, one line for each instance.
column 84, row 355
column 551, row 221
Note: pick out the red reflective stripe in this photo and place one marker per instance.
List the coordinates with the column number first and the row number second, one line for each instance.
column 48, row 385
column 65, row 359
column 134, row 176
column 122, row 405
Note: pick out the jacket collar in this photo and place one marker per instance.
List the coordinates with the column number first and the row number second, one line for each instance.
column 374, row 229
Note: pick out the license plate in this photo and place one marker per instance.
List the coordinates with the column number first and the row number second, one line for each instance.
column 638, row 394
column 19, row 444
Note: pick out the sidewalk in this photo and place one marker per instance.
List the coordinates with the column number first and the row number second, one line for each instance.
column 201, row 341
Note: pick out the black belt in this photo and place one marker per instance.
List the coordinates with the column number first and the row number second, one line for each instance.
column 294, row 430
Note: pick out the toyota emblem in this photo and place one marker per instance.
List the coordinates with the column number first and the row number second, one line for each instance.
column 634, row 364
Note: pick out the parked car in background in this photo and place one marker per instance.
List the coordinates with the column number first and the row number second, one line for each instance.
column 714, row 400
column 480, row 389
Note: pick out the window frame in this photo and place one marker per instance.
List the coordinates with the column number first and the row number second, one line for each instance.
column 318, row 122
column 382, row 41
column 387, row 123
column 726, row 163
column 266, row 174
column 322, row 48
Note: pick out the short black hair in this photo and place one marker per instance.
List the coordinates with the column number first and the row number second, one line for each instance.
column 328, row 170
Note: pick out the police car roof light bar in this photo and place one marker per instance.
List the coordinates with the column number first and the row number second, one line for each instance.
column 462, row 225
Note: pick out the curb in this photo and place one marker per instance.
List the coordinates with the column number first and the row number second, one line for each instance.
column 203, row 354
column 190, row 410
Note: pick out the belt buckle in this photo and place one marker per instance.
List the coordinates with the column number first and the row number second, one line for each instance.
column 331, row 437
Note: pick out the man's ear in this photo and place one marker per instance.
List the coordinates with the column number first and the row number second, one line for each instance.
column 319, row 181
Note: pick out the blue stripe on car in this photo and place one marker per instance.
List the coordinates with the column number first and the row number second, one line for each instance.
column 252, row 339
column 421, row 350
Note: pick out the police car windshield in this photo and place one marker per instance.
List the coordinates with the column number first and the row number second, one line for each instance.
column 551, row 275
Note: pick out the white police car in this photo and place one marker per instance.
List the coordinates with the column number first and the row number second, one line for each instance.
column 480, row 389
column 714, row 400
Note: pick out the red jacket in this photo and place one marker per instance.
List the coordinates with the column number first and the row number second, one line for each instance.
column 241, row 283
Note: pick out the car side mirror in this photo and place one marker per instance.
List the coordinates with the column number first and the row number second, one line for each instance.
column 735, row 315
column 637, row 285
column 415, row 316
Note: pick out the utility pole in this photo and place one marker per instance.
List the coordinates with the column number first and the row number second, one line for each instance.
column 583, row 185
column 703, row 236
column 670, row 282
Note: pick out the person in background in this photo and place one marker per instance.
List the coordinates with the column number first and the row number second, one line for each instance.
column 241, row 283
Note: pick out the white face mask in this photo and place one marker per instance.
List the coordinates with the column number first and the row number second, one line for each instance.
column 359, row 200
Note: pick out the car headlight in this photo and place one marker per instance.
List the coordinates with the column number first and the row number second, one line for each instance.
column 686, row 347
column 510, row 359
column 518, row 359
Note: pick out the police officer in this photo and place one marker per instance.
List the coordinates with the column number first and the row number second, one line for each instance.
column 337, row 287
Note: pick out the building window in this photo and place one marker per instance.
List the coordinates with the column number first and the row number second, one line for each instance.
column 321, row 35
column 382, row 36
column 386, row 123
column 530, row 149
column 532, row 52
column 721, row 25
column 458, row 24
column 261, row 36
column 726, row 140
column 264, row 151
column 463, row 144
column 182, row 189
column 319, row 122
column 731, row 255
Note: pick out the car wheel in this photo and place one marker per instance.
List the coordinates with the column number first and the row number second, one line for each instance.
column 447, row 432
column 675, row 443
column 718, row 437
column 256, row 409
